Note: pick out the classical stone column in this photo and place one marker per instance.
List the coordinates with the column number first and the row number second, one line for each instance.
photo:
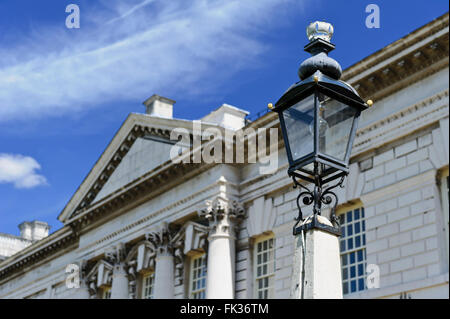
column 222, row 216
column 317, row 269
column 164, row 262
column 119, row 288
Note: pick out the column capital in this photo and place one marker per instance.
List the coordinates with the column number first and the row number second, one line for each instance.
column 222, row 215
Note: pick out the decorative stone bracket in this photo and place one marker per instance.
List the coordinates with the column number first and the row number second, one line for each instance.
column 96, row 276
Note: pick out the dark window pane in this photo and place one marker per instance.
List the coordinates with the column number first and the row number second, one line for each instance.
column 342, row 245
column 344, row 273
column 345, row 287
column 363, row 225
column 357, row 214
column 360, row 269
column 344, row 259
column 357, row 241
column 352, row 271
column 360, row 255
column 352, row 258
column 362, row 212
column 349, row 230
column 357, row 228
column 349, row 216
column 350, row 243
column 353, row 286
column 361, row 284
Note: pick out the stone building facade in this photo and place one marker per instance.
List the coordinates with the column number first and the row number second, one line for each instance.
column 142, row 226
column 30, row 232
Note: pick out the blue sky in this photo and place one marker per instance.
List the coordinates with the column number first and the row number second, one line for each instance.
column 65, row 92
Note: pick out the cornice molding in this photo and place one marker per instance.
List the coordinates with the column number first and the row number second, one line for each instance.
column 402, row 123
column 37, row 252
column 154, row 214
column 400, row 47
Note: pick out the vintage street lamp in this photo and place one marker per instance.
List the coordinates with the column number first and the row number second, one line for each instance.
column 319, row 117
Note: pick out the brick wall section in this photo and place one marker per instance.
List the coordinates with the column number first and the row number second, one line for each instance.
column 286, row 208
column 403, row 244
column 402, row 231
column 399, row 163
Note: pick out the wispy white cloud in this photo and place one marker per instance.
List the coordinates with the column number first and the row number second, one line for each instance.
column 20, row 171
column 148, row 46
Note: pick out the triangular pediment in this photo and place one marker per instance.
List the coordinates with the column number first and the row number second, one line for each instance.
column 141, row 144
column 145, row 154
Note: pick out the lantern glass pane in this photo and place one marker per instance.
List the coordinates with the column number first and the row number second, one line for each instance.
column 335, row 126
column 299, row 122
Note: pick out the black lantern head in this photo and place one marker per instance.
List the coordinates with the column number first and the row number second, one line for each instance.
column 319, row 115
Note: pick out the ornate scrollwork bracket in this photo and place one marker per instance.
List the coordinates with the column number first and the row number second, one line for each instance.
column 317, row 197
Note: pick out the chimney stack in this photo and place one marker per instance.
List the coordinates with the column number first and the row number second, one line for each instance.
column 34, row 230
column 159, row 106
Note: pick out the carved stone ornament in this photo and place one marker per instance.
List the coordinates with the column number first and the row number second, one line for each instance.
column 116, row 254
column 96, row 275
column 191, row 237
column 222, row 215
column 162, row 240
column 140, row 257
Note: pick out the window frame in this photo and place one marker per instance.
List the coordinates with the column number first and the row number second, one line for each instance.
column 145, row 276
column 193, row 258
column 270, row 276
column 343, row 211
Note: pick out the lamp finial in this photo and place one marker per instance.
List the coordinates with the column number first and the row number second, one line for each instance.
column 319, row 30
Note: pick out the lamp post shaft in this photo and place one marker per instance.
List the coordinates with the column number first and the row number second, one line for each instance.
column 317, row 268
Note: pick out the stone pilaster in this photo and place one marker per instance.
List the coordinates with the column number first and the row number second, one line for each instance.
column 223, row 215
